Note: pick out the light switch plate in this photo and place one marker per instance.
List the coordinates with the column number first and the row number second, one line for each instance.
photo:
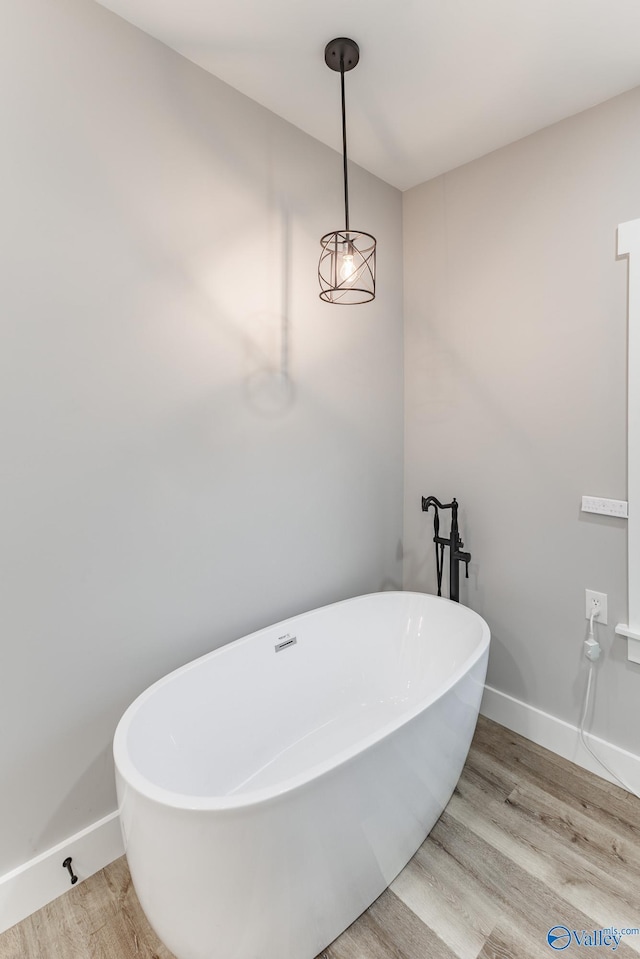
column 607, row 507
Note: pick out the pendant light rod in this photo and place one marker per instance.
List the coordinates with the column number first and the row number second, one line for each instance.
column 343, row 54
column 344, row 146
column 347, row 267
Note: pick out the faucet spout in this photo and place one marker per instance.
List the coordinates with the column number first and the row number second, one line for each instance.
column 428, row 501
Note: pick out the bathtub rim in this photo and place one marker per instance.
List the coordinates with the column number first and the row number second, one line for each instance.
column 132, row 777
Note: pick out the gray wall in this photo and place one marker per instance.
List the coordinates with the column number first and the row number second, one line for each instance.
column 164, row 488
column 515, row 359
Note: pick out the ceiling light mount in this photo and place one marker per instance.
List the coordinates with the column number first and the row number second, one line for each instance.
column 347, row 268
column 344, row 50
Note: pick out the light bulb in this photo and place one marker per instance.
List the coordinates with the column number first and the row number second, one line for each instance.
column 348, row 268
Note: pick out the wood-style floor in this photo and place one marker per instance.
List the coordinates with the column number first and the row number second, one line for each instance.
column 527, row 842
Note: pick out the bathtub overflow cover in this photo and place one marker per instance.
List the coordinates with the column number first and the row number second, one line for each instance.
column 285, row 642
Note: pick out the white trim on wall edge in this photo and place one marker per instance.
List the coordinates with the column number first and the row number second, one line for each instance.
column 560, row 737
column 37, row 882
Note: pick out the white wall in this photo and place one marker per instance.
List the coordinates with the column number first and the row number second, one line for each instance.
column 515, row 398
column 162, row 492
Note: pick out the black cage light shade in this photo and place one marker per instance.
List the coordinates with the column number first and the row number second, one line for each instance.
column 347, row 268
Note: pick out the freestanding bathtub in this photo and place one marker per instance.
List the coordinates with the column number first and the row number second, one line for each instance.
column 272, row 789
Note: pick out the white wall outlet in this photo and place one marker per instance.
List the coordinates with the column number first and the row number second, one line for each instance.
column 608, row 507
column 590, row 596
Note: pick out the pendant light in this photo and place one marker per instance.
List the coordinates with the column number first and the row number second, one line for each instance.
column 347, row 268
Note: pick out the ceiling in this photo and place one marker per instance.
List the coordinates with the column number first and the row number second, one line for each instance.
column 439, row 83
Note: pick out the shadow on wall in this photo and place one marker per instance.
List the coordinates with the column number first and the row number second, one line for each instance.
column 510, row 669
column 228, row 224
column 388, row 583
column 269, row 390
column 90, row 783
column 57, row 762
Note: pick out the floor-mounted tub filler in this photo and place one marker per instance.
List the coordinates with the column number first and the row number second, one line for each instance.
column 272, row 789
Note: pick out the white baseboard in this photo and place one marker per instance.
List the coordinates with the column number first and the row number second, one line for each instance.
column 40, row 880
column 560, row 737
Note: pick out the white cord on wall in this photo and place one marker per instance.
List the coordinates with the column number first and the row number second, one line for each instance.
column 592, row 652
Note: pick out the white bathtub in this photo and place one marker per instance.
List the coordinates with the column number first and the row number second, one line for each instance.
column 268, row 797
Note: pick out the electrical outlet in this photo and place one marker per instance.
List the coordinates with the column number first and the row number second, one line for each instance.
column 590, row 596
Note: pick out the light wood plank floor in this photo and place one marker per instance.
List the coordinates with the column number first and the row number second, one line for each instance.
column 528, row 841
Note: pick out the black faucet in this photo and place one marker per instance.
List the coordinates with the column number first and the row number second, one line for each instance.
column 455, row 544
